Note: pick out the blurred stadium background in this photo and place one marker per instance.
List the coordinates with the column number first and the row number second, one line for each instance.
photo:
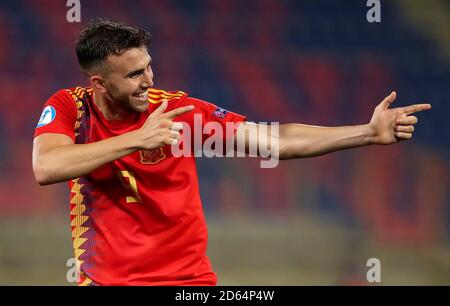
column 312, row 221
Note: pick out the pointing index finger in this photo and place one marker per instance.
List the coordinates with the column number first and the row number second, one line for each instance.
column 178, row 111
column 415, row 108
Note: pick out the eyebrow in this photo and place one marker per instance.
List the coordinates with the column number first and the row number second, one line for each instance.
column 130, row 74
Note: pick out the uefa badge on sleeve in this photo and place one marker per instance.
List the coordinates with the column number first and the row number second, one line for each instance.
column 220, row 113
column 47, row 116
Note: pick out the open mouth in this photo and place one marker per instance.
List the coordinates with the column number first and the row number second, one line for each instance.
column 143, row 96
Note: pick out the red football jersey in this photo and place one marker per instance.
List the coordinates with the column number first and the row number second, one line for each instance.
column 137, row 220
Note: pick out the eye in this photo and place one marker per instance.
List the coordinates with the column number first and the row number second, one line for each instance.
column 135, row 75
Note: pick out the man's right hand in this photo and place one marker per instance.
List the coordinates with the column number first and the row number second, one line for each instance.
column 159, row 129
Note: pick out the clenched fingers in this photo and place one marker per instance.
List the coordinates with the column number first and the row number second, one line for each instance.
column 175, row 134
column 170, row 137
column 176, row 126
column 408, row 120
column 173, row 137
column 405, row 128
column 403, row 136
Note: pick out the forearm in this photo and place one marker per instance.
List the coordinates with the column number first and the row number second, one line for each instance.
column 300, row 140
column 75, row 160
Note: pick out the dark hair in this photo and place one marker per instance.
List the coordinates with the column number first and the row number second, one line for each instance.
column 102, row 38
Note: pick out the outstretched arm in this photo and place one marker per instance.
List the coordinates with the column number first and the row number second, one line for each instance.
column 387, row 126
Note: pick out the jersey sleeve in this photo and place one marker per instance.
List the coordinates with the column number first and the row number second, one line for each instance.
column 209, row 112
column 58, row 116
column 208, row 118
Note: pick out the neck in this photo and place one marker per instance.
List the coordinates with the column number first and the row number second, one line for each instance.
column 108, row 108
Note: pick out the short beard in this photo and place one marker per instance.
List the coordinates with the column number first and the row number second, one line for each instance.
column 121, row 102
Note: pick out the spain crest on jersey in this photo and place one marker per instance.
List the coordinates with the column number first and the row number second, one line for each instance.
column 152, row 156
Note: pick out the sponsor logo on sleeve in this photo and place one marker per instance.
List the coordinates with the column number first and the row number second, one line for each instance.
column 220, row 113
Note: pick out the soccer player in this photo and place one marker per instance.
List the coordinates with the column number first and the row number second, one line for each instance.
column 135, row 208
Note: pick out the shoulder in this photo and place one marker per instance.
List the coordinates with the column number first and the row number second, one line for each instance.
column 71, row 95
column 69, row 100
column 78, row 93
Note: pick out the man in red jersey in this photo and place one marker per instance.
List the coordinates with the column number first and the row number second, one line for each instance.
column 135, row 208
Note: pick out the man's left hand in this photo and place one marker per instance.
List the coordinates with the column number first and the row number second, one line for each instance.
column 390, row 125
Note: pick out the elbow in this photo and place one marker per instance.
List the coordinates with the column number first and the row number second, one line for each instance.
column 40, row 177
column 43, row 182
column 41, row 174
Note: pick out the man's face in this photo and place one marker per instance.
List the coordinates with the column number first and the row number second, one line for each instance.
column 127, row 77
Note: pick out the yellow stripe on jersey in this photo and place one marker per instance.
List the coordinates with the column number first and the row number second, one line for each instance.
column 79, row 219
column 77, row 211
column 156, row 96
column 78, row 223
column 78, row 94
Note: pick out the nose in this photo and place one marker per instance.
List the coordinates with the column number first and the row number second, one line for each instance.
column 147, row 78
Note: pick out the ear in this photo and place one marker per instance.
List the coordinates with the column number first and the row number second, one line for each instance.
column 98, row 83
